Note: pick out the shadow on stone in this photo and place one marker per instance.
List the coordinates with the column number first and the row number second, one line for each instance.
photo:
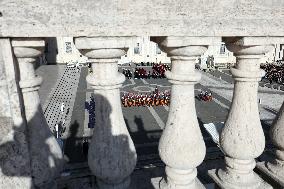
column 46, row 155
column 111, row 156
column 28, row 155
column 14, row 155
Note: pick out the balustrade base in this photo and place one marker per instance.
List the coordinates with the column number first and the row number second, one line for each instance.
column 226, row 185
column 277, row 178
column 159, row 183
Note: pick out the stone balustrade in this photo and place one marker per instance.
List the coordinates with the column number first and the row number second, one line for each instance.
column 242, row 138
column 46, row 155
column 112, row 156
column 182, row 133
column 248, row 28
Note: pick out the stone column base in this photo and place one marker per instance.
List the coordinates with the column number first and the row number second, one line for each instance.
column 262, row 167
column 225, row 185
column 159, row 183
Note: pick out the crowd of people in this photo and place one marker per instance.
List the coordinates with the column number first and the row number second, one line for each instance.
column 141, row 73
column 205, row 96
column 274, row 73
column 127, row 73
column 156, row 98
column 158, row 71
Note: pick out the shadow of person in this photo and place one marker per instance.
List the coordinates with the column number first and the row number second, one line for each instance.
column 14, row 155
column 112, row 156
column 46, row 155
column 29, row 154
column 73, row 149
column 139, row 123
column 142, row 135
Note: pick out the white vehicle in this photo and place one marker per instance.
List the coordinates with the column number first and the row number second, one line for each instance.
column 71, row 64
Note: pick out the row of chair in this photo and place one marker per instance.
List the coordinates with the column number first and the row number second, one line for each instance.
column 63, row 93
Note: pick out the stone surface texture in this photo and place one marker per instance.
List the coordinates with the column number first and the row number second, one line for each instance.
column 275, row 168
column 15, row 171
column 112, row 156
column 46, row 155
column 181, row 146
column 41, row 18
column 277, row 135
column 242, row 138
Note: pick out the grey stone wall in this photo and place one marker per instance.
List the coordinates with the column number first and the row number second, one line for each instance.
column 15, row 169
column 28, row 18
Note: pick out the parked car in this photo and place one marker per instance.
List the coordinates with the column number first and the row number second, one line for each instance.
column 71, row 64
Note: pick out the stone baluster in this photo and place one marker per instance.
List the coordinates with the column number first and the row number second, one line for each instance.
column 112, row 155
column 13, row 138
column 181, row 146
column 242, row 138
column 46, row 155
column 275, row 167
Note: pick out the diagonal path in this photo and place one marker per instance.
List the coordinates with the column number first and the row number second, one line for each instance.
column 74, row 140
column 64, row 92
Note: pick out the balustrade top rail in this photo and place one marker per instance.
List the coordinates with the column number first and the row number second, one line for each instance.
column 50, row 18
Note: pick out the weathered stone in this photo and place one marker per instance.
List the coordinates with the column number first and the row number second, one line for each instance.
column 15, row 170
column 40, row 18
column 242, row 138
column 112, row 156
column 275, row 168
column 46, row 155
column 181, row 146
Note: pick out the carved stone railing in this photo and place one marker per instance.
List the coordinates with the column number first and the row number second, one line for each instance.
column 33, row 18
column 112, row 156
column 190, row 26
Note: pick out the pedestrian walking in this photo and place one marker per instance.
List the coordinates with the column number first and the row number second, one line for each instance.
column 62, row 108
column 78, row 66
column 57, row 130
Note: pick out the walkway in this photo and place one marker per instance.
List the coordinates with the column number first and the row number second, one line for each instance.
column 63, row 92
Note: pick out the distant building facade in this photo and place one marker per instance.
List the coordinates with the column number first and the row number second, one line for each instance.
column 62, row 50
column 277, row 55
column 144, row 50
column 217, row 57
